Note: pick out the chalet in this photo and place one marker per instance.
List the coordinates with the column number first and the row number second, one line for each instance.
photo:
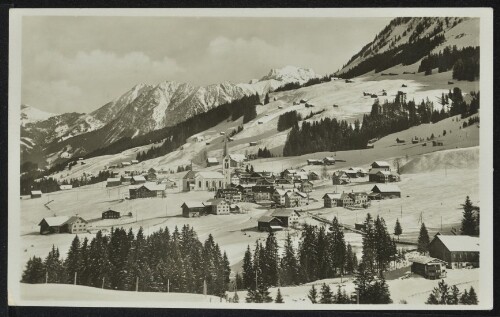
column 301, row 176
column 218, row 206
column 63, row 224
column 313, row 176
column 262, row 192
column 289, row 173
column 134, row 162
column 168, row 182
column 193, row 209
column 123, row 164
column 456, row 251
column 284, row 183
column 331, row 200
column 231, row 195
column 36, row 194
column 351, row 173
column 345, row 200
column 381, row 164
column 126, row 179
column 359, row 171
column 329, row 160
column 194, row 180
column 359, row 198
column 287, row 217
column 314, row 162
column 306, row 186
column 383, row 191
column 147, row 190
column 151, row 176
column 253, row 143
column 65, row 187
column 237, row 160
column 295, row 198
column 372, row 174
column 113, row 181
column 340, row 178
column 110, row 214
column 152, row 170
column 138, row 179
column 279, row 196
column 428, row 267
column 212, row 161
column 382, row 176
column 265, row 181
column 269, row 223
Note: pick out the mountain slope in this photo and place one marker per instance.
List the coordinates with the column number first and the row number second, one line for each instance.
column 31, row 114
column 407, row 40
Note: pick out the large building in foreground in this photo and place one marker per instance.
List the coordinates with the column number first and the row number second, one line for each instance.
column 196, row 180
column 456, row 251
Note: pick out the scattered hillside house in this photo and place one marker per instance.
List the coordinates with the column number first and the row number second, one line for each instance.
column 151, row 176
column 306, row 186
column 65, row 187
column 262, row 192
column 287, row 217
column 253, row 143
column 110, row 214
column 113, row 181
column 134, row 162
column 218, row 206
column 360, row 172
column 340, row 178
column 138, row 179
column 36, row 194
column 383, row 191
column 198, row 138
column 313, row 176
column 437, row 143
column 147, row 190
column 123, row 164
column 351, row 173
column 329, row 160
column 212, row 161
column 193, row 209
column 231, row 195
column 289, row 173
column 382, row 165
column 331, row 200
column 269, row 223
column 237, row 160
column 295, row 198
column 428, row 267
column 386, row 177
column 195, row 180
column 63, row 224
column 126, row 179
column 314, row 162
column 456, row 251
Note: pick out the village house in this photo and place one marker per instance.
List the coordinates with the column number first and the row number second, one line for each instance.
column 113, row 181
column 301, row 175
column 331, row 200
column 212, row 161
column 295, row 198
column 269, row 223
column 329, row 160
column 313, row 176
column 284, row 183
column 279, row 196
column 428, row 267
column 387, row 177
column 195, row 180
column 218, row 206
column 306, row 186
column 381, row 164
column 340, row 178
column 359, row 171
column 123, row 164
column 110, row 214
column 138, row 179
column 36, row 194
column 287, row 217
column 193, row 209
column 314, row 162
column 359, row 198
column 262, row 192
column 246, row 191
column 65, row 187
column 63, row 224
column 235, row 179
column 237, row 160
column 151, row 176
column 147, row 190
column 456, row 251
column 351, row 173
column 265, row 182
column 231, row 195
column 289, row 173
column 346, row 200
column 134, row 162
column 384, row 191
column 125, row 179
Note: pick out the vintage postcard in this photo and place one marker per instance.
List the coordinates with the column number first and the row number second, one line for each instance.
column 261, row 158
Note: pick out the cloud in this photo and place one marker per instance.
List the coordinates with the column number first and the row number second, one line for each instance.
column 93, row 77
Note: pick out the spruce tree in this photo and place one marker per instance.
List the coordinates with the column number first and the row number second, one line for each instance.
column 313, row 295
column 270, row 260
column 468, row 220
column 279, row 298
column 472, row 300
column 73, row 260
column 248, row 270
column 326, row 295
column 34, row 272
column 464, row 299
column 397, row 229
column 288, row 267
column 423, row 239
column 454, row 296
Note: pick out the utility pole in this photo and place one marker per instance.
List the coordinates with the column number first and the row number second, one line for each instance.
column 103, row 282
column 74, row 282
column 46, row 276
column 137, row 284
column 168, row 285
column 205, row 287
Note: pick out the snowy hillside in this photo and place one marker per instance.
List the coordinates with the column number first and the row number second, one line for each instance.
column 31, row 114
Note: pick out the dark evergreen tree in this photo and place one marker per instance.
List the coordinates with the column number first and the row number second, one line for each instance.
column 289, row 265
column 313, row 295
column 279, row 298
column 398, row 230
column 248, row 270
column 73, row 262
column 326, row 295
column 423, row 239
column 469, row 225
column 34, row 273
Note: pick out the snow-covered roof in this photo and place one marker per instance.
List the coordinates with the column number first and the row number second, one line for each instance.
column 56, row 221
column 138, row 178
column 381, row 164
column 283, row 213
column 215, row 201
column 281, row 192
column 460, row 243
column 387, row 188
column 333, row 196
column 212, row 160
column 210, row 175
column 194, row 204
column 375, row 170
column 423, row 259
column 265, row 219
column 113, row 179
column 329, row 158
column 154, row 186
column 62, row 187
column 387, row 173
column 36, row 192
column 237, row 157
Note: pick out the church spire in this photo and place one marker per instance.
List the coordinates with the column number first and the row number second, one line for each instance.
column 225, row 152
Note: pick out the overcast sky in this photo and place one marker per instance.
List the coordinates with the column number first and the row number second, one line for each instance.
column 80, row 63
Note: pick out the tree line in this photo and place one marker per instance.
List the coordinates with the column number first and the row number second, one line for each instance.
column 443, row 294
column 288, row 120
column 464, row 62
column 297, row 85
column 160, row 262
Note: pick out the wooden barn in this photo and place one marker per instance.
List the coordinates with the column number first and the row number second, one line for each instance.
column 113, row 181
column 287, row 217
column 330, row 200
column 193, row 209
column 147, row 190
column 385, row 191
column 456, row 251
column 268, row 223
column 36, row 194
column 63, row 224
column 110, row 214
column 218, row 206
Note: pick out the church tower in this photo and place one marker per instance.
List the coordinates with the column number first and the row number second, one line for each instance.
column 226, row 166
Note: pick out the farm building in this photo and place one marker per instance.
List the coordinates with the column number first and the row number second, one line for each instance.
column 381, row 164
column 36, row 194
column 134, row 162
column 218, row 206
column 63, row 224
column 231, row 195
column 113, row 181
column 65, row 187
column 360, row 172
column 295, row 198
column 372, row 174
column 314, row 162
column 287, row 217
column 123, row 164
column 340, row 178
column 151, row 176
column 262, row 192
column 212, row 161
column 330, row 200
column 194, row 180
column 268, row 223
column 110, row 214
column 126, row 179
column 386, row 177
column 313, row 176
column 428, row 267
column 383, row 191
column 351, row 173
column 329, row 160
column 306, row 186
column 147, row 190
column 456, row 251
column 193, row 209
column 237, row 160
column 137, row 179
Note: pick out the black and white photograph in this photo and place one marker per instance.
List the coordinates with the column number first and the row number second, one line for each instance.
column 282, row 159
